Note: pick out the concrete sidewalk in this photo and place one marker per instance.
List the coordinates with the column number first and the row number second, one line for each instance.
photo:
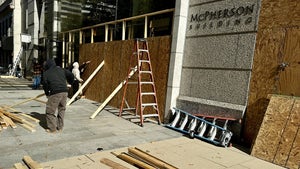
column 79, row 144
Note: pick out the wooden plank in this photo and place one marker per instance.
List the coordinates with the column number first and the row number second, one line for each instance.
column 26, row 126
column 28, row 100
column 30, row 117
column 288, row 136
column 85, row 83
column 6, row 120
column 31, row 163
column 9, row 122
column 17, row 118
column 19, row 166
column 22, row 114
column 134, row 161
column 41, row 101
column 112, row 164
column 117, row 89
column 154, row 161
column 270, row 133
column 12, row 116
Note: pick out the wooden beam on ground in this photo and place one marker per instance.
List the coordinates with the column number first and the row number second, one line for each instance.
column 23, row 114
column 28, row 100
column 6, row 120
column 10, row 115
column 85, row 83
column 18, row 119
column 31, row 163
column 3, row 124
column 134, row 161
column 41, row 101
column 32, row 118
column 117, row 89
column 9, row 121
column 28, row 127
column 150, row 159
column 112, row 164
column 19, row 166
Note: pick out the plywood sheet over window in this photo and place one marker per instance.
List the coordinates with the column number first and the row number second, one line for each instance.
column 289, row 77
column 276, row 68
column 116, row 55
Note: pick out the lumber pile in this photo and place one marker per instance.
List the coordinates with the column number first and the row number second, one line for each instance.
column 29, row 164
column 8, row 118
column 140, row 159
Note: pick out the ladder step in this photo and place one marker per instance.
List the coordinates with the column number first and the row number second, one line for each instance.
column 143, row 50
column 148, row 104
column 147, row 93
column 143, row 71
column 145, row 61
column 150, row 115
column 132, row 82
column 147, row 83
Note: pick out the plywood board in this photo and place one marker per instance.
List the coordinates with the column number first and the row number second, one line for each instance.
column 279, row 13
column 294, row 156
column 277, row 42
column 289, row 136
column 270, row 133
column 289, row 77
column 263, row 79
column 278, row 137
column 117, row 55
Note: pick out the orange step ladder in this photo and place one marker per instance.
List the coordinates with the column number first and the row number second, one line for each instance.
column 146, row 101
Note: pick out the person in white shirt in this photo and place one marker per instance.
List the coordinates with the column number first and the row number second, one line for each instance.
column 77, row 79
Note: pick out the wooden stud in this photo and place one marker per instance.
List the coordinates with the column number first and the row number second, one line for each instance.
column 150, row 159
column 19, row 166
column 27, row 100
column 32, row 118
column 134, row 161
column 31, row 163
column 112, row 164
column 28, row 127
column 117, row 89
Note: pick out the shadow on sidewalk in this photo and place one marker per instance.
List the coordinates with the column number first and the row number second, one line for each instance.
column 41, row 117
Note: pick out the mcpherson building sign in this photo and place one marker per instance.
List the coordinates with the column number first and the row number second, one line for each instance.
column 222, row 17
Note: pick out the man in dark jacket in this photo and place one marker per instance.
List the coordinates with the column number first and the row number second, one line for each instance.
column 55, row 87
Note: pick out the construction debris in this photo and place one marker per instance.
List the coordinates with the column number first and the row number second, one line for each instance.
column 10, row 119
column 8, row 116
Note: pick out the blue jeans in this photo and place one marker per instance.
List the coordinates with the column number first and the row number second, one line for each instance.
column 36, row 81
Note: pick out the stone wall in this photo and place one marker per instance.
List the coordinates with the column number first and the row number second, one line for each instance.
column 218, row 54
